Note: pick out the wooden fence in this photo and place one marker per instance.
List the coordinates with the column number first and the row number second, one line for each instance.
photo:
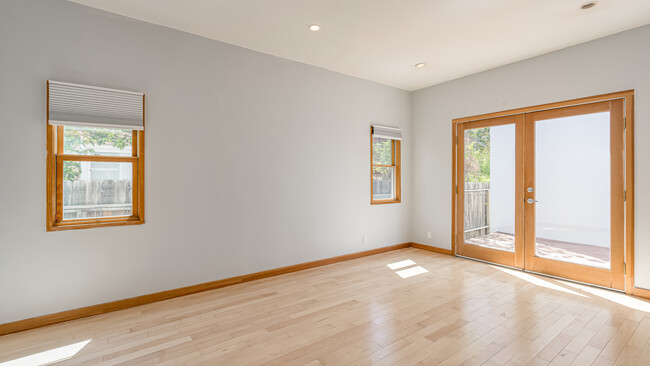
column 83, row 199
column 477, row 209
column 382, row 189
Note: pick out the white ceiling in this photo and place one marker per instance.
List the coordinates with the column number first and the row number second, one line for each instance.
column 382, row 40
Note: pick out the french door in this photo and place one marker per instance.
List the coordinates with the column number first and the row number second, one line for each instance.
column 544, row 191
column 489, row 200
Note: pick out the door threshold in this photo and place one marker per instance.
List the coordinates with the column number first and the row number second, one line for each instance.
column 542, row 274
column 487, row 262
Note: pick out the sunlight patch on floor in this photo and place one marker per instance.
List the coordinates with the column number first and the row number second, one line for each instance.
column 617, row 297
column 401, row 264
column 536, row 280
column 48, row 357
column 410, row 272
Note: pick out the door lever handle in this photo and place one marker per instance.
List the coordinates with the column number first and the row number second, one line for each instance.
column 530, row 201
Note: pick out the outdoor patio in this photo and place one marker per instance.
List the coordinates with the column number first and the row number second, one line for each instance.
column 589, row 255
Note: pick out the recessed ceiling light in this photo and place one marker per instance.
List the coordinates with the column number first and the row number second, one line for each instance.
column 588, row 5
column 314, row 27
column 420, row 64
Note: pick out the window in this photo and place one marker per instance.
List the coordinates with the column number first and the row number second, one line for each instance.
column 95, row 171
column 385, row 165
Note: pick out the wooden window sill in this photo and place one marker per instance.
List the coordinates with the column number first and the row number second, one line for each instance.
column 87, row 224
column 383, row 202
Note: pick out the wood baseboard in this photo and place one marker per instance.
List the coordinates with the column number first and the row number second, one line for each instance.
column 431, row 249
column 41, row 321
column 641, row 292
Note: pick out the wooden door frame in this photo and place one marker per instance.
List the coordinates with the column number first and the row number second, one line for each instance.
column 614, row 276
column 628, row 97
column 511, row 259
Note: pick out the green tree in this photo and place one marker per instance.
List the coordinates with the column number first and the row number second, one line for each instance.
column 383, row 151
column 382, row 154
column 477, row 155
column 82, row 141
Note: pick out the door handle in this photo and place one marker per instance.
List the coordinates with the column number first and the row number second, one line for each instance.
column 530, row 201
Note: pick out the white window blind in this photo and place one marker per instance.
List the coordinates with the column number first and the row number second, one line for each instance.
column 82, row 105
column 387, row 132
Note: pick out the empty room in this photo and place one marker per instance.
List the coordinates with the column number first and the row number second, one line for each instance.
column 324, row 182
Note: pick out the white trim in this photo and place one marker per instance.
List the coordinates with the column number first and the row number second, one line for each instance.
column 390, row 133
column 101, row 125
column 72, row 104
column 95, row 87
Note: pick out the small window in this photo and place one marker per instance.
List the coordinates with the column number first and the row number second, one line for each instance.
column 96, row 175
column 385, row 167
column 95, row 170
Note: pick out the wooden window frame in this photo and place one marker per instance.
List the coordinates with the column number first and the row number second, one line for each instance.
column 395, row 163
column 55, row 159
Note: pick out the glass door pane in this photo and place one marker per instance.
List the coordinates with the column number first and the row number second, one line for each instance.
column 572, row 189
column 489, row 197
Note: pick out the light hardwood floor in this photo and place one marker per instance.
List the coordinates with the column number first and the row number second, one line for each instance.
column 361, row 312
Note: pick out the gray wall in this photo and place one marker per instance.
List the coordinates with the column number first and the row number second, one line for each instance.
column 610, row 64
column 221, row 120
column 241, row 173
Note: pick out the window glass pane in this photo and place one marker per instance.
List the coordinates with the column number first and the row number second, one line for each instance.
column 383, row 183
column 490, row 187
column 97, row 141
column 97, row 189
column 382, row 151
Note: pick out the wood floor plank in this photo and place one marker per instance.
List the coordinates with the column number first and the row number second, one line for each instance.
column 362, row 313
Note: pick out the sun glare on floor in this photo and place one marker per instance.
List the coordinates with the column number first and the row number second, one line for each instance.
column 401, row 264
column 410, row 272
column 48, row 357
column 536, row 280
column 619, row 298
